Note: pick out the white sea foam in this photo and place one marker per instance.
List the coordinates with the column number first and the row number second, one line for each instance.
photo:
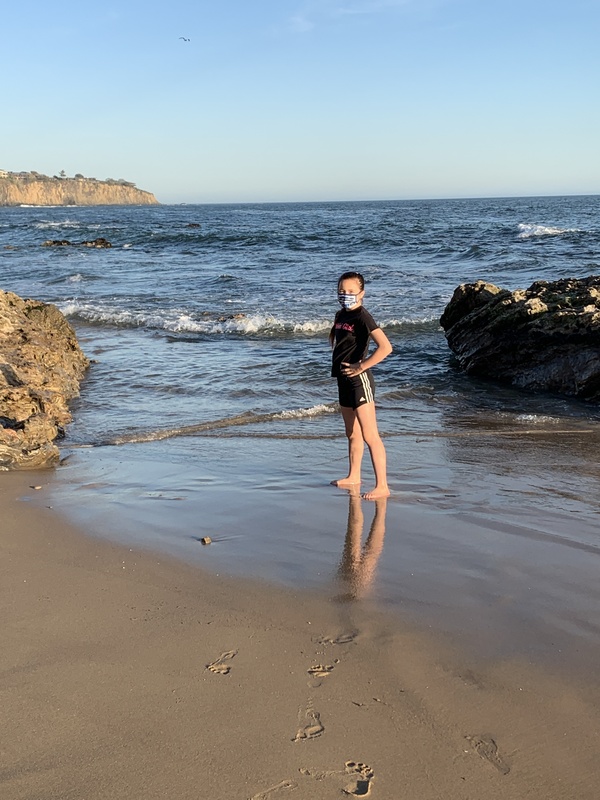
column 300, row 413
column 199, row 428
column 536, row 419
column 66, row 223
column 529, row 230
column 402, row 321
column 253, row 323
column 75, row 278
column 111, row 316
column 182, row 322
column 178, row 322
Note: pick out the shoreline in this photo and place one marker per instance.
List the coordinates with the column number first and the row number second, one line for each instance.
column 498, row 561
column 106, row 689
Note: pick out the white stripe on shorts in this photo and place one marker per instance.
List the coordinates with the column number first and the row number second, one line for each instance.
column 366, row 384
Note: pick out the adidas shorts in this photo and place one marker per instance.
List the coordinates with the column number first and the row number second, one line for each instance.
column 355, row 392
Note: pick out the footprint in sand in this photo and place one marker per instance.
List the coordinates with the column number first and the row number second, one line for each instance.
column 267, row 794
column 362, row 776
column 310, row 725
column 487, row 748
column 322, row 670
column 220, row 667
column 343, row 638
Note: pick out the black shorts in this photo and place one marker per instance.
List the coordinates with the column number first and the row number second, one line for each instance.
column 355, row 392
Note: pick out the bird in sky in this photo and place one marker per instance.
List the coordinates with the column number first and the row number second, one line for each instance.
column 184, row 39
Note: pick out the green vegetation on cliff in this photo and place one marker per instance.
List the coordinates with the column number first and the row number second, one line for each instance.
column 32, row 188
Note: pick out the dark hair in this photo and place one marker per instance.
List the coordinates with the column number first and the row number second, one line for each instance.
column 356, row 275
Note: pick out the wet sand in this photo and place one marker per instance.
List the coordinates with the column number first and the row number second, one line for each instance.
column 124, row 673
column 491, row 540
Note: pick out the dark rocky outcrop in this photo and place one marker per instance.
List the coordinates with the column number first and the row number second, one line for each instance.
column 41, row 366
column 546, row 337
column 99, row 242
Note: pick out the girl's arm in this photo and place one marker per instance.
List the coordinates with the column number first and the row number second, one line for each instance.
column 382, row 350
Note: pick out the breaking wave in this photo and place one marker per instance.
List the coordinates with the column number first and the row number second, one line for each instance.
column 528, row 231
column 249, row 418
column 183, row 322
column 66, row 223
column 179, row 321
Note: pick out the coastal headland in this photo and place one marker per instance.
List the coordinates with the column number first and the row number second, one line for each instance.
column 35, row 189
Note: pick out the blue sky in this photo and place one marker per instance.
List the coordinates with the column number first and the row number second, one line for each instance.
column 285, row 100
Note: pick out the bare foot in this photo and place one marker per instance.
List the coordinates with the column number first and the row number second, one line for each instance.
column 376, row 493
column 345, row 483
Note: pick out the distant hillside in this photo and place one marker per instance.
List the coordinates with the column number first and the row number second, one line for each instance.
column 33, row 189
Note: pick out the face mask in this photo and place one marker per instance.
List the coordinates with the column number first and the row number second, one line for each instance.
column 347, row 300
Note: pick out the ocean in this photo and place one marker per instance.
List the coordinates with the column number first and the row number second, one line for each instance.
column 209, row 408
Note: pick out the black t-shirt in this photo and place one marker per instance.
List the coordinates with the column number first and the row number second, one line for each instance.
column 351, row 331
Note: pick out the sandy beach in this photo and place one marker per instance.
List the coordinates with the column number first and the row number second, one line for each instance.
column 126, row 674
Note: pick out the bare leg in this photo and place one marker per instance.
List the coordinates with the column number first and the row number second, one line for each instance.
column 356, row 447
column 368, row 425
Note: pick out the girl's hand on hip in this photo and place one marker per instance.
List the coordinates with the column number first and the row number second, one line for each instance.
column 351, row 370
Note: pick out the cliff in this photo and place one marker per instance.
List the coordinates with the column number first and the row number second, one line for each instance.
column 41, row 366
column 27, row 188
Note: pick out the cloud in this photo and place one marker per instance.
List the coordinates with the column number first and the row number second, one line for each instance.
column 301, row 24
column 367, row 6
column 314, row 12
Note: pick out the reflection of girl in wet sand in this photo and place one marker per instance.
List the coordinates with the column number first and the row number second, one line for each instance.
column 358, row 564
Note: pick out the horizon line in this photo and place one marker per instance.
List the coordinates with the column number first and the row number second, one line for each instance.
column 377, row 200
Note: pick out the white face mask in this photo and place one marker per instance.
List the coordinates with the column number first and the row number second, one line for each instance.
column 347, row 300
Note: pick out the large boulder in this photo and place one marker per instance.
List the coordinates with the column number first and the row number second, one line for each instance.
column 41, row 366
column 545, row 337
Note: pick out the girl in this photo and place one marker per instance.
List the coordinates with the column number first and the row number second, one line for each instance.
column 351, row 365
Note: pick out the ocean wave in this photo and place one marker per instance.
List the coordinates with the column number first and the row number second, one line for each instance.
column 248, row 325
column 235, row 324
column 528, row 230
column 303, row 413
column 182, row 322
column 198, row 428
column 428, row 322
column 66, row 223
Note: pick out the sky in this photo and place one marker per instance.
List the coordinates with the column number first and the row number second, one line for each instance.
column 306, row 100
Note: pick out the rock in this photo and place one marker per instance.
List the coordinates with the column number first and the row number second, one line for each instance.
column 41, row 366
column 546, row 337
column 100, row 242
column 230, row 317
